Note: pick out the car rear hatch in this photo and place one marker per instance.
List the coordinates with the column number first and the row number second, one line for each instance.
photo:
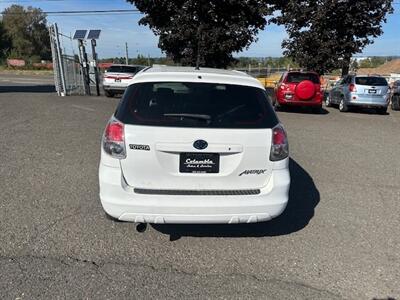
column 111, row 78
column 371, row 88
column 120, row 75
column 196, row 136
column 171, row 161
column 298, row 84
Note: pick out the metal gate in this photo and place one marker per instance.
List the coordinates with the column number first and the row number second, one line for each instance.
column 73, row 76
column 68, row 78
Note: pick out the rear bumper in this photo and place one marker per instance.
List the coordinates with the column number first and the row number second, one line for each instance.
column 122, row 203
column 295, row 102
column 114, row 88
column 369, row 101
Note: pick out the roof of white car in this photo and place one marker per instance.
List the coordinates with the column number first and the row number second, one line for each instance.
column 163, row 73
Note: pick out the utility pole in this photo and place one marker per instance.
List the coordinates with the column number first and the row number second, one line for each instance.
column 126, row 53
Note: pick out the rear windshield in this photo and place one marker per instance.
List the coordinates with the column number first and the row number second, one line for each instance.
column 376, row 81
column 297, row 77
column 124, row 69
column 188, row 104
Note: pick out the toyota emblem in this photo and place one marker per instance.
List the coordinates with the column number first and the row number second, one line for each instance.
column 200, row 144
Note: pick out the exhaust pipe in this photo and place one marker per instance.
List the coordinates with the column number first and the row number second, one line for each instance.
column 141, row 227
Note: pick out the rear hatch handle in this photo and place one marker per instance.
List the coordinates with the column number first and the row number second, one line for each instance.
column 188, row 147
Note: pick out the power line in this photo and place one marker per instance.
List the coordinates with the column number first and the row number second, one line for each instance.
column 71, row 12
column 26, row 1
column 84, row 12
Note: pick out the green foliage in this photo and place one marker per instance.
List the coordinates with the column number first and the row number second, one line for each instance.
column 5, row 43
column 204, row 32
column 26, row 28
column 372, row 62
column 324, row 34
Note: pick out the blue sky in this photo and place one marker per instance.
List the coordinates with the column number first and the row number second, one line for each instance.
column 118, row 29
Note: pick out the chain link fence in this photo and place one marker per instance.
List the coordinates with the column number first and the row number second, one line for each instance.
column 73, row 76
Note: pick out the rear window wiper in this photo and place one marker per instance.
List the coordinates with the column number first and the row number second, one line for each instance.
column 192, row 116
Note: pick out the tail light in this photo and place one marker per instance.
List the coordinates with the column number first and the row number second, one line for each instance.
column 283, row 86
column 114, row 139
column 352, row 87
column 280, row 145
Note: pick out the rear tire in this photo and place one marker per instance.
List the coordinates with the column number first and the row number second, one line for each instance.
column 109, row 94
column 343, row 106
column 328, row 102
column 277, row 106
column 396, row 102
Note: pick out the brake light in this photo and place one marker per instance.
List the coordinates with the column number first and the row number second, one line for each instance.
column 280, row 145
column 114, row 139
column 352, row 87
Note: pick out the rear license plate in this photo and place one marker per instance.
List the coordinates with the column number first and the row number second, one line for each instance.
column 117, row 80
column 199, row 163
column 372, row 91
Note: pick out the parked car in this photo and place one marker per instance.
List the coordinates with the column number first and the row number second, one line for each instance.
column 297, row 88
column 360, row 91
column 194, row 146
column 395, row 95
column 117, row 78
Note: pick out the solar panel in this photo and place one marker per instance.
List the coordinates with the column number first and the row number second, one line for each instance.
column 93, row 34
column 80, row 34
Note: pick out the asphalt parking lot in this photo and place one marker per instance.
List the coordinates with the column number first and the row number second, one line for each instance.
column 338, row 238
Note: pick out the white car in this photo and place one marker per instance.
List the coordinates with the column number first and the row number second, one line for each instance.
column 192, row 145
column 118, row 77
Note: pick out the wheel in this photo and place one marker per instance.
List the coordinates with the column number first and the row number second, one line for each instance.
column 396, row 102
column 109, row 94
column 328, row 102
column 382, row 110
column 277, row 106
column 343, row 106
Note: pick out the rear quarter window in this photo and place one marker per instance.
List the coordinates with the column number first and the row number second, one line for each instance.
column 375, row 81
column 202, row 105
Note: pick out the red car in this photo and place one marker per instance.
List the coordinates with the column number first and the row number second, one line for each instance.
column 297, row 88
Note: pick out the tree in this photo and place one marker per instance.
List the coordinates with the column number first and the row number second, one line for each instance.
column 324, row 34
column 27, row 30
column 5, row 43
column 203, row 32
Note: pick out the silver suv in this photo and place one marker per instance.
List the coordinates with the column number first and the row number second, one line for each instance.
column 360, row 91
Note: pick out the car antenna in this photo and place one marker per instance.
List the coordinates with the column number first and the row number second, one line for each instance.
column 197, row 61
column 199, row 35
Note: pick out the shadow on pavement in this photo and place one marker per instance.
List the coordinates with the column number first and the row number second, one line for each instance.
column 303, row 198
column 27, row 89
column 366, row 111
column 302, row 110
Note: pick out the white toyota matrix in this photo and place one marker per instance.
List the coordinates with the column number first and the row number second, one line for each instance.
column 190, row 145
